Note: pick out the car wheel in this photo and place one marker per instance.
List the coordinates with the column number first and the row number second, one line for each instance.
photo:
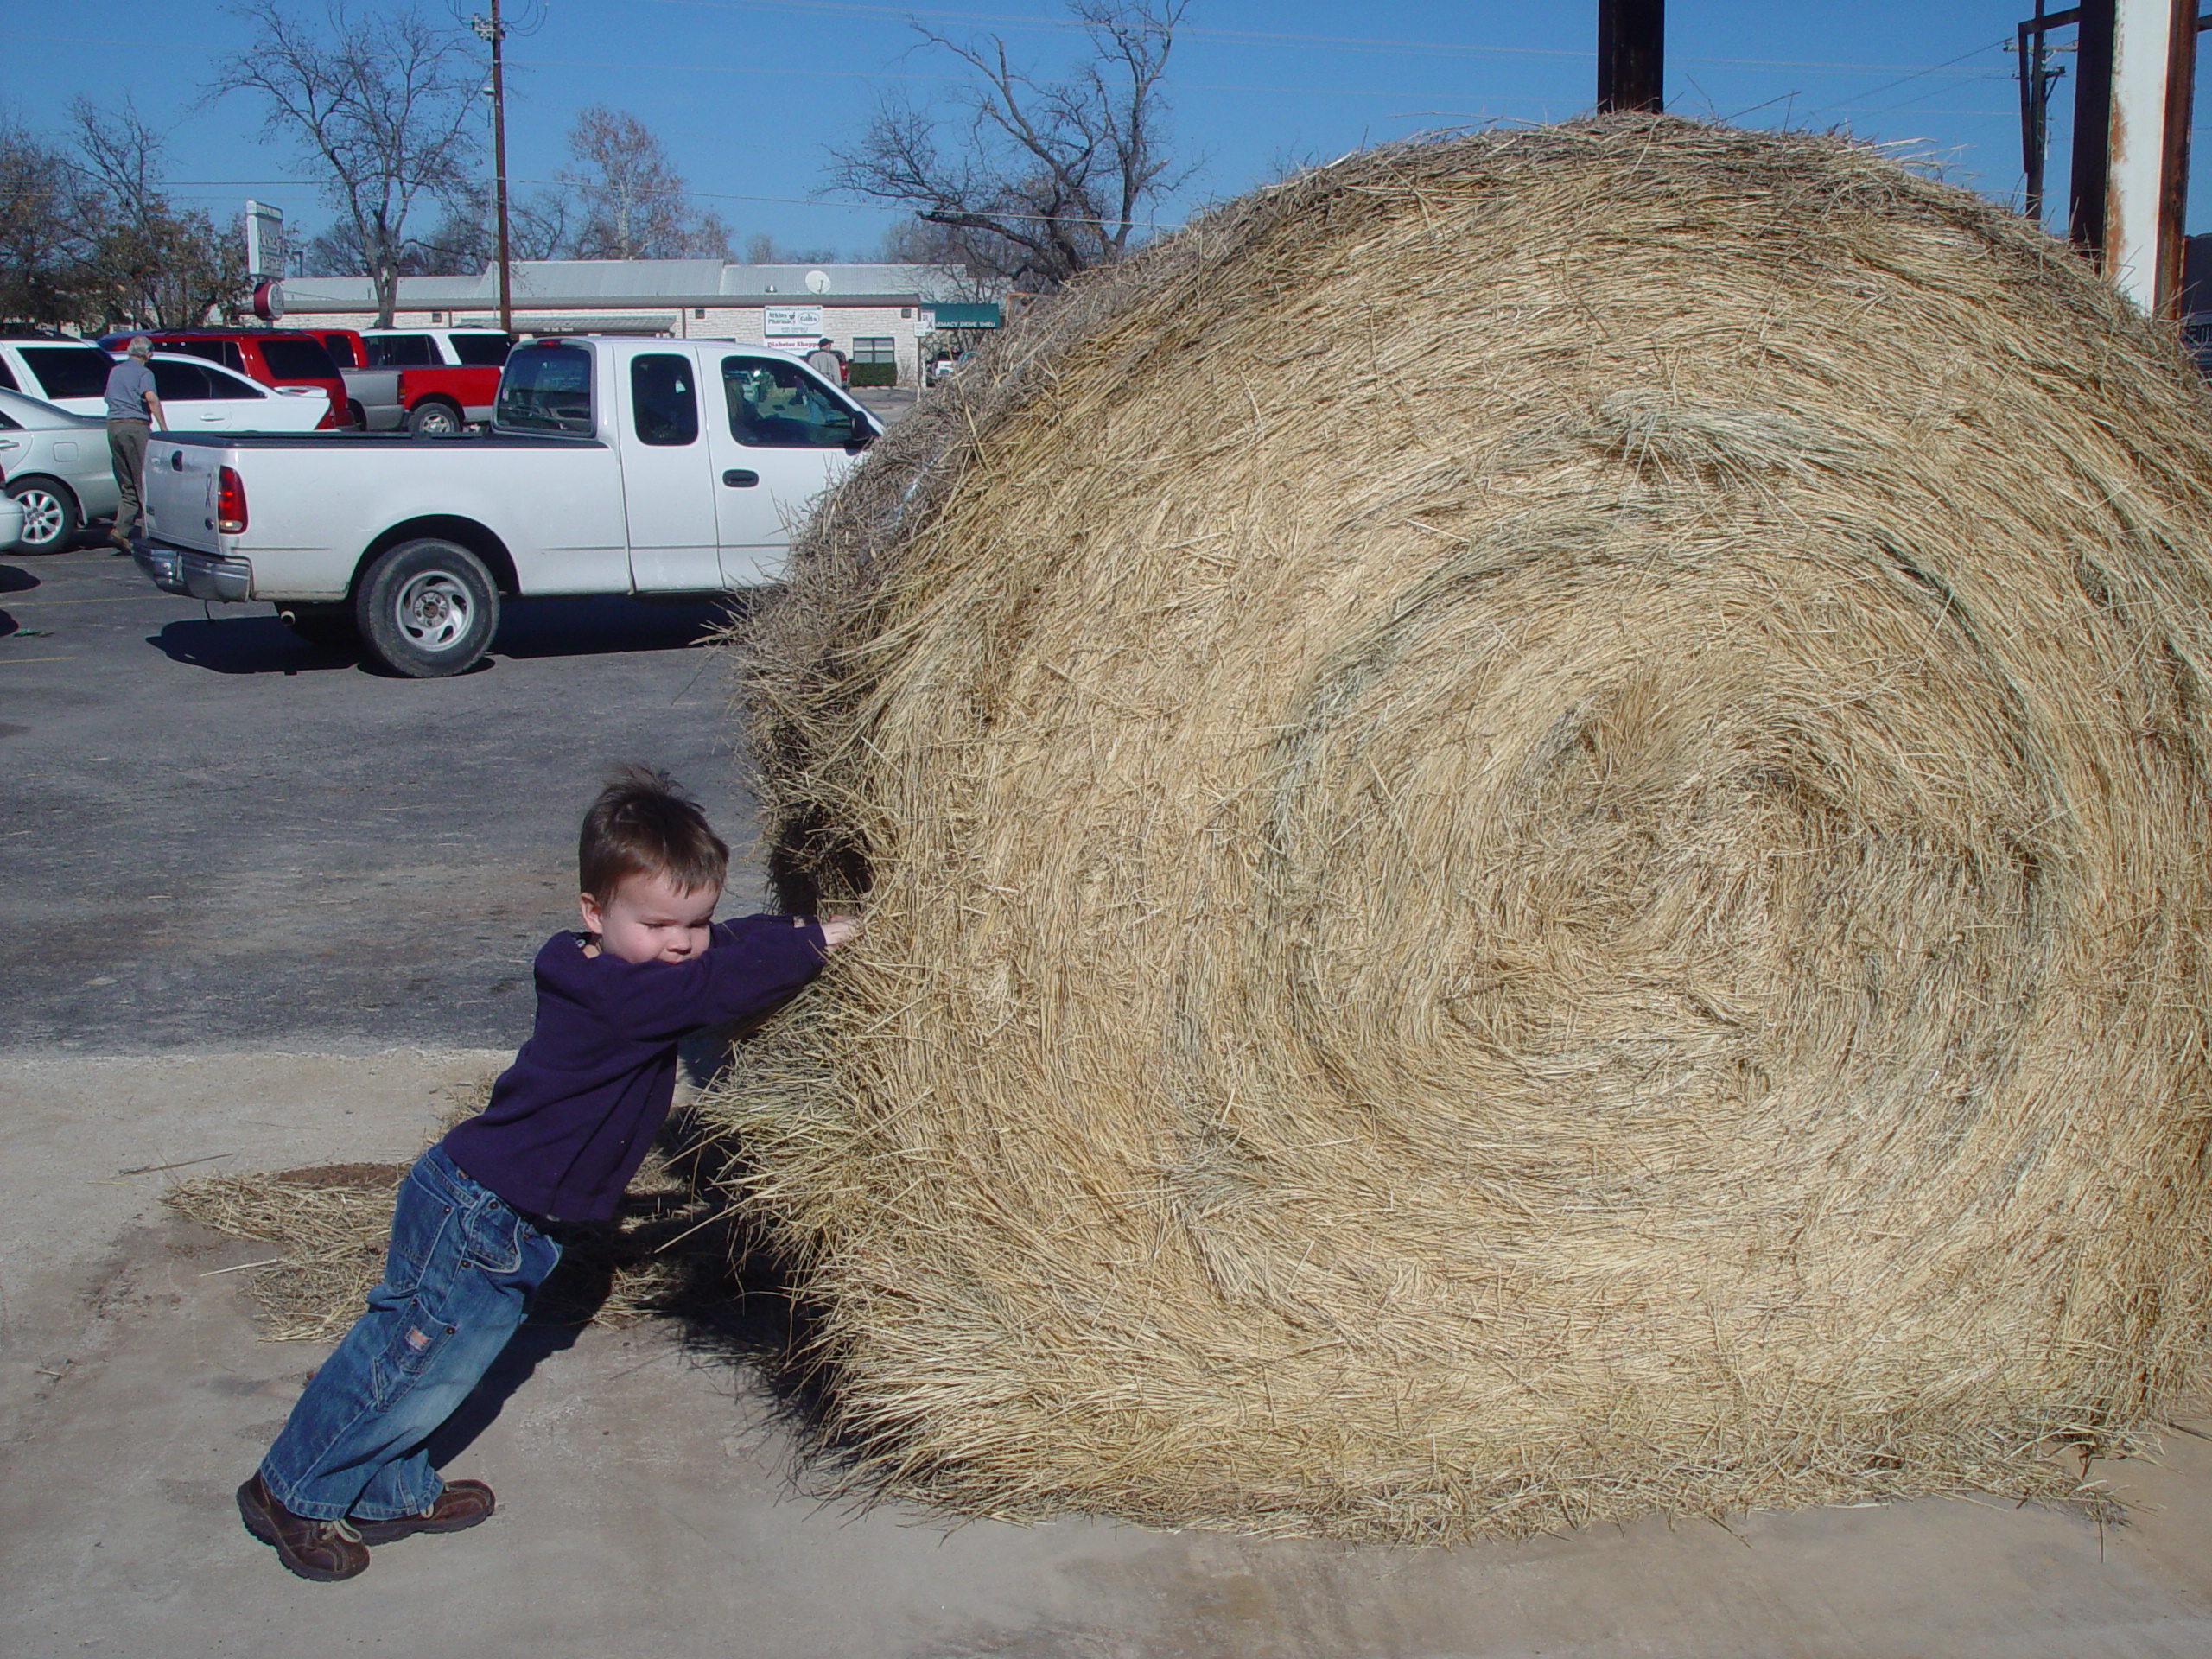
column 433, row 420
column 51, row 518
column 327, row 628
column 357, row 414
column 428, row 609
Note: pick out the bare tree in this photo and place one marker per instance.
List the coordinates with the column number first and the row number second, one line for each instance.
column 631, row 202
column 42, row 251
column 765, row 250
column 951, row 249
column 149, row 264
column 383, row 106
column 1046, row 179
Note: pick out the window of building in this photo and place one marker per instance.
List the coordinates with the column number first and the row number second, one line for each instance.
column 876, row 348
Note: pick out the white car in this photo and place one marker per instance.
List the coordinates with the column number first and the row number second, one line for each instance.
column 196, row 395
column 58, row 470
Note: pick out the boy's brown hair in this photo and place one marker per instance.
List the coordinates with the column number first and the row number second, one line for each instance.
column 643, row 824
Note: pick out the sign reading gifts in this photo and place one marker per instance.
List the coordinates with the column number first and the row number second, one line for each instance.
column 793, row 327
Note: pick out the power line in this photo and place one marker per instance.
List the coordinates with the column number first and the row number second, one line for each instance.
column 1242, row 36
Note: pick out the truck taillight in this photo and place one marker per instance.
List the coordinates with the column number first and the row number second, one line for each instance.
column 229, row 502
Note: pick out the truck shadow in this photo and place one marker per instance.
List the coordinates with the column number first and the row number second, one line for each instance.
column 598, row 625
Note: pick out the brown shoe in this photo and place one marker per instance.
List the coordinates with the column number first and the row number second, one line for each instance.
column 325, row 1551
column 462, row 1505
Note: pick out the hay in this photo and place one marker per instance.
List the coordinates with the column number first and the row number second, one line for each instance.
column 670, row 1247
column 1534, row 817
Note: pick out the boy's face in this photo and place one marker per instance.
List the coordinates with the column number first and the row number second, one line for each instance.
column 651, row 919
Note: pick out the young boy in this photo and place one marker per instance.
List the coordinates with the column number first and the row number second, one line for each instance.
column 567, row 1124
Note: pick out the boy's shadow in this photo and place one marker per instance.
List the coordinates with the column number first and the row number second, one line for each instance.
column 513, row 1368
column 729, row 1298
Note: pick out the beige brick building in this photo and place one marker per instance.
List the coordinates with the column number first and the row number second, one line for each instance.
column 873, row 314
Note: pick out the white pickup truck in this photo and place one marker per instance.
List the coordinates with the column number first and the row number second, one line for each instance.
column 612, row 466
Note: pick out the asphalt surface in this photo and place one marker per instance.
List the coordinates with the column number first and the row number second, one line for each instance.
column 214, row 833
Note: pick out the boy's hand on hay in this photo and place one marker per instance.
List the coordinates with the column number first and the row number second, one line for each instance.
column 839, row 929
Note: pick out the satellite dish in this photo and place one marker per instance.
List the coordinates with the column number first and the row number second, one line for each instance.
column 817, row 281
column 268, row 300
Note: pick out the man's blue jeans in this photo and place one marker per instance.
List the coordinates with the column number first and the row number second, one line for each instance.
column 456, row 1282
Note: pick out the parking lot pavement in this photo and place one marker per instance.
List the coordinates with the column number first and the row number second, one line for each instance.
column 215, row 833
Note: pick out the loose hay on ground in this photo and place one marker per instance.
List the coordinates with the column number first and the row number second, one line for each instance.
column 670, row 1245
column 1534, row 815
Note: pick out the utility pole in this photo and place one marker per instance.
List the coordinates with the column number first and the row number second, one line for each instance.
column 2037, row 77
column 492, row 31
column 1631, row 52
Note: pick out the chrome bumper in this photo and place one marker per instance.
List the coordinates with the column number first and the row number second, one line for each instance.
column 196, row 574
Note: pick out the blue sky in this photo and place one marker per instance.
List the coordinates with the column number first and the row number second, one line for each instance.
column 746, row 95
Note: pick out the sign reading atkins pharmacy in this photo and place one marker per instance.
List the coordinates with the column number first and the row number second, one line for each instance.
column 792, row 322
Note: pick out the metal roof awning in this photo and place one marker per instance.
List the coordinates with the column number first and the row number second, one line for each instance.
column 967, row 316
column 578, row 322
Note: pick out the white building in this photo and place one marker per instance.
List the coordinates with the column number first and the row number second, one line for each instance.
column 873, row 314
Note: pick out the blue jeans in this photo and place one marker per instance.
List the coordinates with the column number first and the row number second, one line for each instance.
column 457, row 1280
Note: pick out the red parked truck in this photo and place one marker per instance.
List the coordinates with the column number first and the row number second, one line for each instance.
column 449, row 377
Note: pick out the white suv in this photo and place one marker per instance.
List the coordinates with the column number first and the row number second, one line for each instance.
column 436, row 348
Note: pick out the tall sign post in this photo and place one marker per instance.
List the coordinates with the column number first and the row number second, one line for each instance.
column 265, row 258
column 492, row 31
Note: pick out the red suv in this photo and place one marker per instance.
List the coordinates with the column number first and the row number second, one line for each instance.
column 275, row 357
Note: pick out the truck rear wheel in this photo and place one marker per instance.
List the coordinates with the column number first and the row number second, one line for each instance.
column 427, row 609
column 433, row 418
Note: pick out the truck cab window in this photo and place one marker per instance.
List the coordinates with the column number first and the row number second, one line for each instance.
column 546, row 388
column 779, row 406
column 664, row 408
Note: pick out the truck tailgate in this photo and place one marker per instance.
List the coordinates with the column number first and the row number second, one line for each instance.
column 180, row 480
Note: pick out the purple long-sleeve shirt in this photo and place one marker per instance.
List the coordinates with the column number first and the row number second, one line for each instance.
column 569, row 1122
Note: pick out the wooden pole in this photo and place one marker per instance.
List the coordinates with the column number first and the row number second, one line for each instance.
column 1631, row 53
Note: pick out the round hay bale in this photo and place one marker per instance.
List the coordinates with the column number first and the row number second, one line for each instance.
column 1533, row 812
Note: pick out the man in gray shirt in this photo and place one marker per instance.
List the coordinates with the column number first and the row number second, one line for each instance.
column 132, row 409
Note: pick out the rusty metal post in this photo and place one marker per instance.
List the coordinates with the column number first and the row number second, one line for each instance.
column 2173, row 173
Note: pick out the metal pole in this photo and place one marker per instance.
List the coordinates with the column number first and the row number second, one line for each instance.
column 1631, row 53
column 2034, row 104
column 500, row 170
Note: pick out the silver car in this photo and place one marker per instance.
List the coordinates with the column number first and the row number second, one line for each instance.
column 57, row 468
